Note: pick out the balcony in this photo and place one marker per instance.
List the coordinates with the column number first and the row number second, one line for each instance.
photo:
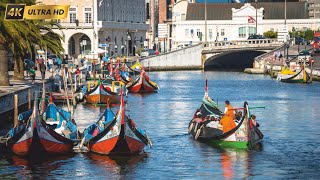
column 80, row 25
column 122, row 25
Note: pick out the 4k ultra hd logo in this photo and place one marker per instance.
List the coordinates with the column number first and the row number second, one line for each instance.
column 15, row 11
column 21, row 11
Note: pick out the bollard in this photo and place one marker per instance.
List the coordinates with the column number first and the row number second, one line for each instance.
column 29, row 98
column 15, row 110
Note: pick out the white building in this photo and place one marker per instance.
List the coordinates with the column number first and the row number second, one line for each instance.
column 116, row 25
column 235, row 21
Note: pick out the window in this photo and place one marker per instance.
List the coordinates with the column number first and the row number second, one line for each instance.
column 73, row 15
column 186, row 32
column 252, row 31
column 87, row 15
column 210, row 33
column 242, row 32
column 222, row 32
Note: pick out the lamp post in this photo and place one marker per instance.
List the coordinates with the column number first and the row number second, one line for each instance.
column 81, row 48
column 256, row 16
column 128, row 38
column 205, row 21
column 285, row 12
column 165, row 39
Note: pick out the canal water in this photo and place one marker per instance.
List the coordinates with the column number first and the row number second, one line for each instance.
column 290, row 123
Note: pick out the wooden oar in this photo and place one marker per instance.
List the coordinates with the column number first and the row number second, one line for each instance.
column 255, row 107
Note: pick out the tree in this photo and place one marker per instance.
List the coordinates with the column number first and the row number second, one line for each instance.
column 270, row 34
column 21, row 38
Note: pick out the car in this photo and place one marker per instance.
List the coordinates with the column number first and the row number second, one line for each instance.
column 301, row 41
column 147, row 52
column 256, row 36
column 304, row 56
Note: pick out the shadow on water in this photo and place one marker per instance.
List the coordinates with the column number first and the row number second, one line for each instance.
column 116, row 160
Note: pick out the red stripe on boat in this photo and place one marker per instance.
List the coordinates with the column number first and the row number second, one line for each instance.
column 56, row 148
column 104, row 147
column 135, row 146
column 22, row 148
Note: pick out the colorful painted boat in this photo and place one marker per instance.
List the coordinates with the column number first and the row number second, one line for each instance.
column 56, row 130
column 289, row 76
column 142, row 84
column 115, row 135
column 206, row 127
column 20, row 138
column 100, row 95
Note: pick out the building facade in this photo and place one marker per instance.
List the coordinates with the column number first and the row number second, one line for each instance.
column 227, row 22
column 117, row 26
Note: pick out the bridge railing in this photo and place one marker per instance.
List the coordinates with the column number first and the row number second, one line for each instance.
column 242, row 42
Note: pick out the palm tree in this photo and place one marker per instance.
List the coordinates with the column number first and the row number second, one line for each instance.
column 21, row 37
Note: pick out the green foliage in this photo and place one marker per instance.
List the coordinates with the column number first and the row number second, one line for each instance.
column 22, row 37
column 270, row 34
column 139, row 51
column 308, row 34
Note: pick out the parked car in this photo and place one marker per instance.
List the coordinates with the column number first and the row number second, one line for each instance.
column 147, row 52
column 301, row 41
column 256, row 36
column 304, row 56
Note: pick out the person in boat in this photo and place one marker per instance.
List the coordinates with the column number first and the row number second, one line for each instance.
column 253, row 120
column 198, row 118
column 195, row 114
column 227, row 121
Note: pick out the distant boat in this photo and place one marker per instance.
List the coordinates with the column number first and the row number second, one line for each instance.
column 142, row 84
column 100, row 95
column 115, row 134
column 288, row 76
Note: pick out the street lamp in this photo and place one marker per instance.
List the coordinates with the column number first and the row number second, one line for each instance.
column 165, row 39
column 81, row 48
column 256, row 16
column 128, row 38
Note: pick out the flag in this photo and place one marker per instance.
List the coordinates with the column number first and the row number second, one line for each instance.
column 251, row 19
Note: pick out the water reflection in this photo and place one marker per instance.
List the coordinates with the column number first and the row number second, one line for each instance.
column 35, row 167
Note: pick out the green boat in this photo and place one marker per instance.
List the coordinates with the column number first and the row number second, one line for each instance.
column 205, row 127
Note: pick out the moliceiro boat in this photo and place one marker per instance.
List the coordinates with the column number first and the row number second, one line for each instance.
column 205, row 126
column 56, row 130
column 142, row 84
column 99, row 94
column 288, row 76
column 20, row 138
column 115, row 134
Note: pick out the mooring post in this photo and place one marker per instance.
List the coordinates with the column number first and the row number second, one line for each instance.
column 29, row 98
column 15, row 122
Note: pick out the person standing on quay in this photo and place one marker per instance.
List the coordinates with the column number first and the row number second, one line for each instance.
column 42, row 67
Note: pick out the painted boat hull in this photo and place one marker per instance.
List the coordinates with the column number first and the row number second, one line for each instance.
column 115, row 142
column 52, row 142
column 20, row 143
column 100, row 98
column 142, row 85
column 22, row 148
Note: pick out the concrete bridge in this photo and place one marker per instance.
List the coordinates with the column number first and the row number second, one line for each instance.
column 215, row 55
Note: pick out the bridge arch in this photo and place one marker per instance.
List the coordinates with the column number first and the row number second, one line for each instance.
column 232, row 60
